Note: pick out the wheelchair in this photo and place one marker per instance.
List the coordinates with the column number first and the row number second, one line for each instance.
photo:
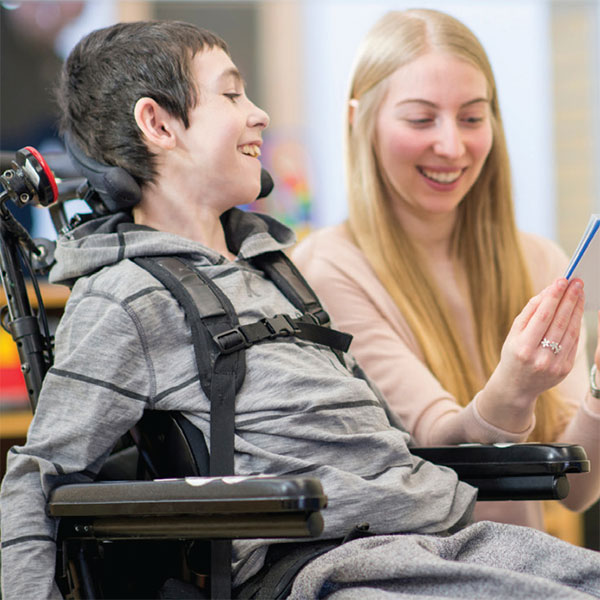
column 155, row 524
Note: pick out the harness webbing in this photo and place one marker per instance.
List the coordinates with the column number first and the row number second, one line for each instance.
column 244, row 336
column 288, row 279
column 219, row 348
column 208, row 312
column 283, row 272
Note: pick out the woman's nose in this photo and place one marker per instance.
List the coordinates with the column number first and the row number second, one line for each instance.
column 449, row 142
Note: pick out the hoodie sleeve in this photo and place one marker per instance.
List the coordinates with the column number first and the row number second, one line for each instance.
column 96, row 390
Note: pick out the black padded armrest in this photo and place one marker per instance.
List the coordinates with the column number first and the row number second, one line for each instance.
column 194, row 507
column 493, row 460
column 528, row 471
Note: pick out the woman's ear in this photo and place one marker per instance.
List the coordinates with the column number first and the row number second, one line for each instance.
column 155, row 123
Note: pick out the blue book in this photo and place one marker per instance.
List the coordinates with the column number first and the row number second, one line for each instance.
column 585, row 263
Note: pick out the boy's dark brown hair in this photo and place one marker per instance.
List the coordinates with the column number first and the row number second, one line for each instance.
column 110, row 69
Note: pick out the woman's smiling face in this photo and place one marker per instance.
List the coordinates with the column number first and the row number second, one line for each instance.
column 433, row 133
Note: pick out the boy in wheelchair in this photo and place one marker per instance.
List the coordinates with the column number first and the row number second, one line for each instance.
column 164, row 102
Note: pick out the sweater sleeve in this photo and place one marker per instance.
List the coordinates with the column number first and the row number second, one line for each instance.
column 93, row 394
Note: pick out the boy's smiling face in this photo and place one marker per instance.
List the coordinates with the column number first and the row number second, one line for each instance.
column 218, row 153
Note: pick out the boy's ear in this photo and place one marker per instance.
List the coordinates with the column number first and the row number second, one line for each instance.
column 155, row 123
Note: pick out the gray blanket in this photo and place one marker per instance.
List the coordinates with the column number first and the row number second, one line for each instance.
column 483, row 561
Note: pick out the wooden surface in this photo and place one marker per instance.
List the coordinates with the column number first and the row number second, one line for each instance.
column 14, row 420
column 14, row 424
column 54, row 296
column 563, row 523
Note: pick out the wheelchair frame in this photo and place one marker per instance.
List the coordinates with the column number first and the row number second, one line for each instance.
column 191, row 507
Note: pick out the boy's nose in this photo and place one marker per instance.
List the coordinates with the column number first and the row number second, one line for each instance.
column 449, row 141
column 258, row 117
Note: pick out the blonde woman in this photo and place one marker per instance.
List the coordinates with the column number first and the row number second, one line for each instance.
column 430, row 274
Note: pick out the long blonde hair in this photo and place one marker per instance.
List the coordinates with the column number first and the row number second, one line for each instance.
column 485, row 238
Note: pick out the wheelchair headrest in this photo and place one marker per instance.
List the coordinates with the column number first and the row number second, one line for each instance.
column 117, row 189
column 266, row 183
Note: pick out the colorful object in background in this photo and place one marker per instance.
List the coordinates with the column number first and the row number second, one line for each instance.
column 13, row 393
column 290, row 201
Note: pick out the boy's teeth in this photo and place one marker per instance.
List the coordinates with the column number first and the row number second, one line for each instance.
column 251, row 150
column 448, row 177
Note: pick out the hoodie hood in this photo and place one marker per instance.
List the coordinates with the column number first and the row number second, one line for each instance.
column 107, row 240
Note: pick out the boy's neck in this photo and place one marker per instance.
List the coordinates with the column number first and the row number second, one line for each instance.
column 184, row 217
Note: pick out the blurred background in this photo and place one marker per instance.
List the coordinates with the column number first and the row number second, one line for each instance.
column 296, row 57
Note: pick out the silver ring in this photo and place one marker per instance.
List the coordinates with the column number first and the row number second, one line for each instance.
column 554, row 346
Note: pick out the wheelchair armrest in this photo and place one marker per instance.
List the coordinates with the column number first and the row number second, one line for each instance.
column 528, row 471
column 191, row 508
column 496, row 460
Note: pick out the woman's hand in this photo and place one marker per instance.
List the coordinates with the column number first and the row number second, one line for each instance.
column 538, row 353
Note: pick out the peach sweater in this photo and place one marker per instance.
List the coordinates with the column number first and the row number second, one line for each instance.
column 387, row 350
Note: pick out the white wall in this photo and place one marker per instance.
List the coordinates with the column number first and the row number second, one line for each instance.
column 515, row 34
column 597, row 123
column 95, row 14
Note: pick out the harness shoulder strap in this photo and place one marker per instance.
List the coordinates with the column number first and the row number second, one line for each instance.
column 219, row 342
column 314, row 324
column 286, row 276
column 208, row 312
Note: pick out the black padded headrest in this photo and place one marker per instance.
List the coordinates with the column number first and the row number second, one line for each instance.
column 266, row 183
column 117, row 189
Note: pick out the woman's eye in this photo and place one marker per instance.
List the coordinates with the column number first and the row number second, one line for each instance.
column 232, row 96
column 472, row 120
column 420, row 122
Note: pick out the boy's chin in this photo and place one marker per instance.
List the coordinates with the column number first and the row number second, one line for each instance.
column 248, row 195
column 244, row 198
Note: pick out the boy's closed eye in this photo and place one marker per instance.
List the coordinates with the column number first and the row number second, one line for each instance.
column 233, row 84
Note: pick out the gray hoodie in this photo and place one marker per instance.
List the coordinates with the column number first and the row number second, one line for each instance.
column 123, row 346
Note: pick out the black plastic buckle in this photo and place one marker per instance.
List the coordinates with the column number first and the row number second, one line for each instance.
column 320, row 317
column 280, row 325
column 231, row 340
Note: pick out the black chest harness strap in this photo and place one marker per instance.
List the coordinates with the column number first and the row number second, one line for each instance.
column 220, row 342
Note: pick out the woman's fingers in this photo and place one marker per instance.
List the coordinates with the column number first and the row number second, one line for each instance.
column 572, row 353
column 525, row 315
column 532, row 323
column 563, row 329
column 570, row 341
column 541, row 347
